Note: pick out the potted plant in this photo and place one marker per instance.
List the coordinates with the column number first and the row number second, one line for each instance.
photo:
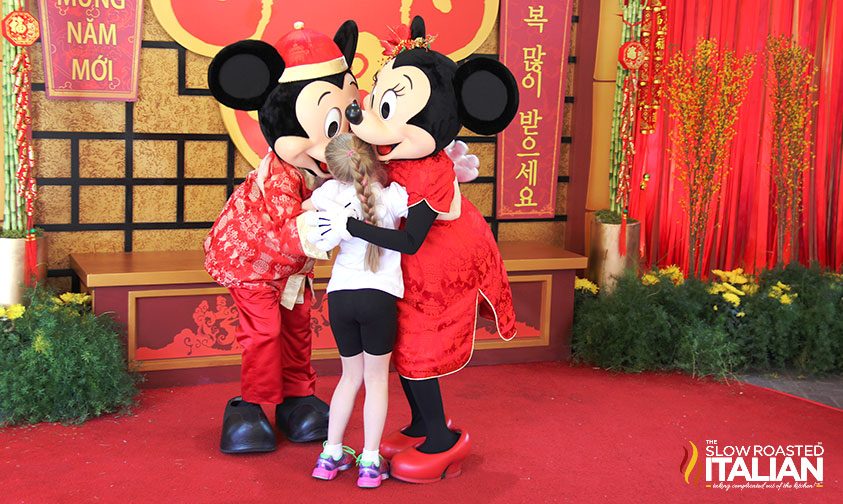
column 22, row 251
column 615, row 238
column 606, row 263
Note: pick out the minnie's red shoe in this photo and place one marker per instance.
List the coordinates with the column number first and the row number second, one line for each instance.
column 397, row 441
column 414, row 466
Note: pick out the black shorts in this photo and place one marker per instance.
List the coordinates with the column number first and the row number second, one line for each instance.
column 363, row 320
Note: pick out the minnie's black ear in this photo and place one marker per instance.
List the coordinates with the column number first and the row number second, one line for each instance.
column 417, row 28
column 243, row 74
column 346, row 40
column 487, row 95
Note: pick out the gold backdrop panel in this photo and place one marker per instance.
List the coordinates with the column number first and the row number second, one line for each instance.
column 160, row 108
column 203, row 203
column 154, row 203
column 480, row 195
column 547, row 232
column 196, row 70
column 53, row 205
column 152, row 29
column 241, row 166
column 205, row 159
column 561, row 198
column 102, row 158
column 485, row 152
column 102, row 204
column 68, row 115
column 52, row 157
column 155, row 159
column 61, row 244
column 168, row 239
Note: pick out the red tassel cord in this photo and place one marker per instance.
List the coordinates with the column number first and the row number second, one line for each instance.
column 627, row 133
column 622, row 237
column 21, row 71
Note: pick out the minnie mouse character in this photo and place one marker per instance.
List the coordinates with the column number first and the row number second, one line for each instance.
column 451, row 264
column 256, row 248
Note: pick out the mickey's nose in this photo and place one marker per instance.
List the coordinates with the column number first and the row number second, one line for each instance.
column 353, row 113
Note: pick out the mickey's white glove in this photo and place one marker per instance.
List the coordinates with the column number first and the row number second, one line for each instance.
column 329, row 227
column 466, row 165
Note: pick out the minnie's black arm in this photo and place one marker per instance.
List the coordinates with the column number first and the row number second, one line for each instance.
column 408, row 240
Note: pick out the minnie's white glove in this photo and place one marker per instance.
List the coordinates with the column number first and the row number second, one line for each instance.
column 466, row 165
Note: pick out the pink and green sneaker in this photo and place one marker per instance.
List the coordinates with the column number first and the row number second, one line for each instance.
column 327, row 467
column 371, row 475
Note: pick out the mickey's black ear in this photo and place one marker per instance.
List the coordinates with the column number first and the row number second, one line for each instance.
column 487, row 95
column 346, row 40
column 417, row 28
column 243, row 74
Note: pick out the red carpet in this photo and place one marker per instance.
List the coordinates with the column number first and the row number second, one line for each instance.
column 542, row 432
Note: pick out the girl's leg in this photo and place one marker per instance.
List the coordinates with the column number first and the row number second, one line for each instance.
column 342, row 403
column 378, row 316
column 375, row 376
column 347, row 335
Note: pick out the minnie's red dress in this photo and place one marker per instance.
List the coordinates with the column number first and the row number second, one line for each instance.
column 457, row 272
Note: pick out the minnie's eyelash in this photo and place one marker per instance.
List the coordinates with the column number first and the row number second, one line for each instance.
column 398, row 92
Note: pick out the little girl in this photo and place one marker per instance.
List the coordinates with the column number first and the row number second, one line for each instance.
column 365, row 283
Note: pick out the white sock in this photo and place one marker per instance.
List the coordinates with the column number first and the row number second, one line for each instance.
column 333, row 450
column 370, row 457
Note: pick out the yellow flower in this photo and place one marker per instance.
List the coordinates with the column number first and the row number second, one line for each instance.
column 741, row 314
column 716, row 288
column 649, row 279
column 40, row 343
column 673, row 273
column 715, row 308
column 732, row 289
column 787, row 299
column 782, row 287
column 584, row 284
column 74, row 298
column 14, row 311
column 732, row 298
column 750, row 288
column 735, row 276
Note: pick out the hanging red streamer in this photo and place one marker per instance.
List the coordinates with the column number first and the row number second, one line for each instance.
column 21, row 72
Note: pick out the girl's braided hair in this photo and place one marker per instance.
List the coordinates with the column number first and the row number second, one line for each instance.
column 353, row 161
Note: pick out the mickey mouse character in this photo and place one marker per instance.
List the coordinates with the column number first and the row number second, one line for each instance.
column 256, row 248
column 451, row 264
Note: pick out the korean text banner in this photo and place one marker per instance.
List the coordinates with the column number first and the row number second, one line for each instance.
column 534, row 40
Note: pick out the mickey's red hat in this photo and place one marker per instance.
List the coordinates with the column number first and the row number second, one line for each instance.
column 309, row 54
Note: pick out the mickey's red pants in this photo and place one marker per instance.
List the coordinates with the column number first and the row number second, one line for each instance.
column 276, row 346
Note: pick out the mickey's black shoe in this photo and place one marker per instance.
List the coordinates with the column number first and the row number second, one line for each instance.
column 303, row 419
column 246, row 429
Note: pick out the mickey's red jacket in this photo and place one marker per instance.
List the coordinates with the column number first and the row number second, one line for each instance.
column 257, row 240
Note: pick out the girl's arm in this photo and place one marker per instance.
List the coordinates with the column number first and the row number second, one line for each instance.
column 408, row 240
column 308, row 205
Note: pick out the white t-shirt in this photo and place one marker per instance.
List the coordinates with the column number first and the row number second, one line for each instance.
column 350, row 271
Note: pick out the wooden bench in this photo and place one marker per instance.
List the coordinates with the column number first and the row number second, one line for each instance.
column 179, row 325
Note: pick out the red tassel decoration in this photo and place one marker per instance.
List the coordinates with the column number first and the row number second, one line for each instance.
column 622, row 237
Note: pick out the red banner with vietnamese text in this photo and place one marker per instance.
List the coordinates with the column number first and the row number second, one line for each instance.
column 534, row 40
column 91, row 48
